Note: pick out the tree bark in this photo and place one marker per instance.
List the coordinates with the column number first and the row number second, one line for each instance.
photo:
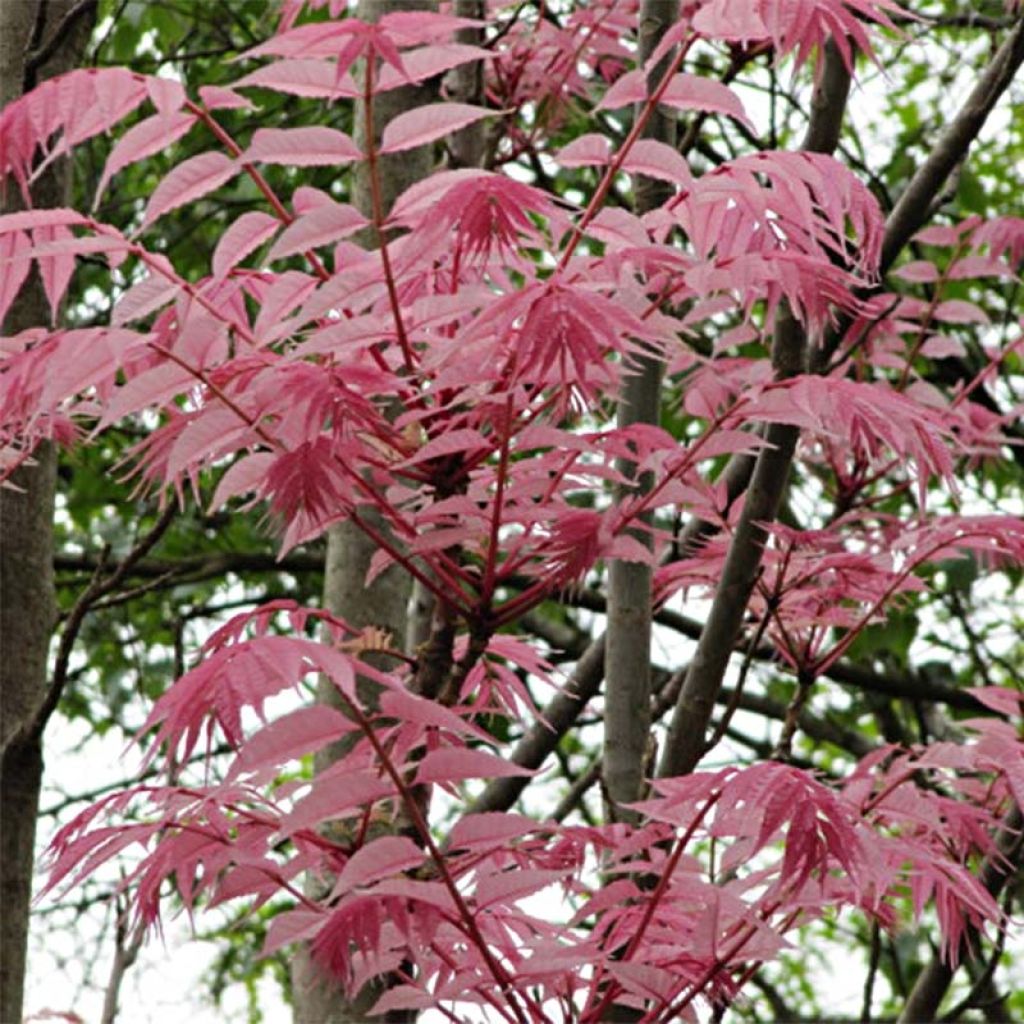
column 686, row 738
column 385, row 602
column 37, row 39
column 996, row 871
column 627, row 660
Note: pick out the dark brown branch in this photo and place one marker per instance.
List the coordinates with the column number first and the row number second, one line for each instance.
column 215, row 564
column 996, row 870
column 125, row 596
column 573, row 797
column 913, row 206
column 540, row 739
column 686, row 739
column 874, row 960
column 100, row 586
column 38, row 56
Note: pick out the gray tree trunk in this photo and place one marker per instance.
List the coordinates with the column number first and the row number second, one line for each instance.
column 27, row 600
column 385, row 602
column 686, row 743
column 627, row 662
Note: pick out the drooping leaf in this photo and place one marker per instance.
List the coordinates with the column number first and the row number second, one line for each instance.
column 301, row 147
column 427, row 124
column 190, row 180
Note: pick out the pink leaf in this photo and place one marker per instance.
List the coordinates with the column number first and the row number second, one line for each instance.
column 978, row 266
column 56, row 269
column 646, row 981
column 408, row 707
column 454, row 764
column 917, row 270
column 586, row 151
column 292, row 926
column 210, row 434
column 317, row 79
column 937, row 234
column 27, row 219
column 492, row 828
column 287, row 291
column 165, row 94
column 684, row 92
column 452, row 442
column 247, row 233
column 428, row 61
column 152, row 387
column 959, row 311
column 325, row 224
column 378, row 859
column 246, row 475
column 695, row 92
column 302, row 732
column 90, row 355
column 658, row 160
column 301, row 147
column 190, row 180
column 216, row 97
column 16, row 261
column 147, row 295
column 426, row 124
column 432, row 893
column 941, row 346
column 509, row 886
column 151, row 136
column 335, row 795
column 628, row 88
column 999, row 698
column 409, row 27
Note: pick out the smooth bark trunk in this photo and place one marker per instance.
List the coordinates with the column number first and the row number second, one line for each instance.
column 385, row 602
column 687, row 742
column 627, row 664
column 29, row 30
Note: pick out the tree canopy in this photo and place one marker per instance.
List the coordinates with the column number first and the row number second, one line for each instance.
column 655, row 371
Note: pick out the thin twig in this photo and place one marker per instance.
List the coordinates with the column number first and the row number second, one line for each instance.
column 98, row 587
column 38, row 56
column 736, row 695
column 126, row 951
column 869, row 981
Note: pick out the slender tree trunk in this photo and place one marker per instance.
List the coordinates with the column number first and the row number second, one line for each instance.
column 385, row 602
column 627, row 716
column 27, row 600
column 466, row 148
column 686, row 738
column 626, row 756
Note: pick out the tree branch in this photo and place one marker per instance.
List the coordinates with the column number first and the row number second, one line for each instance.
column 98, row 588
column 214, row 564
column 38, row 56
column 912, row 208
column 996, row 870
column 686, row 740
